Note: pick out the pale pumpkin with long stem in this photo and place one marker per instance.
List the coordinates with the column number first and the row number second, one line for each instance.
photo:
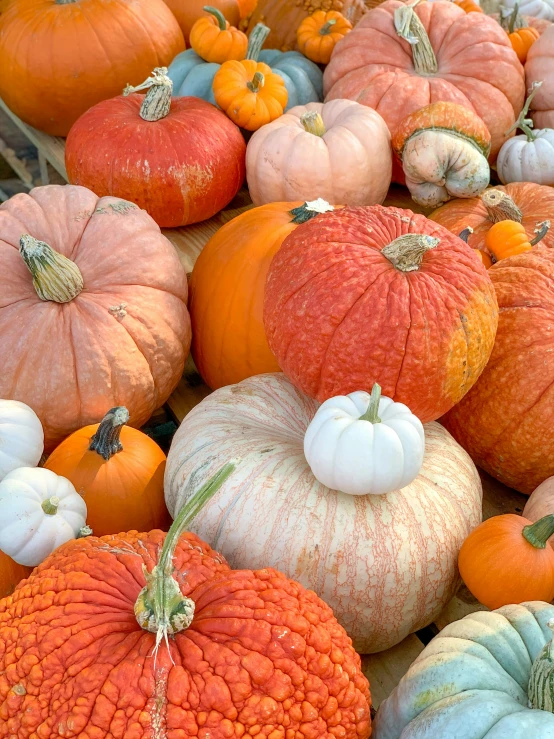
column 213, row 39
column 118, row 471
column 318, row 34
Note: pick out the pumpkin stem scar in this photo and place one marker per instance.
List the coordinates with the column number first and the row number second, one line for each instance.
column 257, row 40
column 406, row 252
column 411, row 29
column 55, row 277
column 500, row 206
column 50, row 505
column 313, row 123
column 372, row 413
column 160, row 607
column 157, row 101
column 106, row 439
column 539, row 691
column 526, row 124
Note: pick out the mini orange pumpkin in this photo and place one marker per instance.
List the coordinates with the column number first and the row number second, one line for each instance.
column 507, row 238
column 250, row 93
column 468, row 6
column 319, row 33
column 215, row 40
column 119, row 471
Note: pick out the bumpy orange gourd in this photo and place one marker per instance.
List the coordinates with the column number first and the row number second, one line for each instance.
column 506, row 560
column 215, row 40
column 147, row 635
column 11, row 574
column 119, row 471
column 508, row 238
column 250, row 93
column 318, row 34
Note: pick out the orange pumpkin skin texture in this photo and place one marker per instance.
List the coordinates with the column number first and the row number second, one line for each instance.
column 11, row 574
column 318, row 35
column 471, row 62
column 261, row 652
column 522, row 40
column 505, row 422
column 216, row 41
column 506, row 239
column 121, row 492
column 58, row 60
column 533, row 204
column 339, row 315
column 500, row 566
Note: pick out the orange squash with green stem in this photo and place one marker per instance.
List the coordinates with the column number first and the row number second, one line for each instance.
column 521, row 37
column 213, row 39
column 508, row 238
column 318, row 34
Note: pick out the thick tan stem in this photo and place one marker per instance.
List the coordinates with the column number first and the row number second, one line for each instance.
column 500, row 206
column 313, row 123
column 55, row 277
column 157, row 101
column 106, row 441
column 406, row 252
column 411, row 29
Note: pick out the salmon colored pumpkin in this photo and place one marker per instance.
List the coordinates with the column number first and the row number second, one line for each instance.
column 228, row 280
column 524, row 202
column 93, row 310
column 540, row 67
column 508, row 238
column 365, row 295
column 143, row 630
column 178, row 158
column 507, row 560
column 118, row 470
column 318, row 34
column 506, row 421
column 459, row 57
column 60, row 57
column 541, row 502
column 11, row 574
column 213, row 39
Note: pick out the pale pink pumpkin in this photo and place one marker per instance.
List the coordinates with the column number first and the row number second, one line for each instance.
column 541, row 502
column 539, row 67
column 463, row 58
column 122, row 332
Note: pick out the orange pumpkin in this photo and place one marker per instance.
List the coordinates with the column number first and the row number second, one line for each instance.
column 228, row 280
column 119, row 471
column 507, row 238
column 522, row 40
column 187, row 12
column 213, row 39
column 59, row 58
column 318, row 34
column 11, row 574
column 468, row 6
column 506, row 560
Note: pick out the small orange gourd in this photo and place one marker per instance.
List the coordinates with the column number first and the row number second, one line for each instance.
column 319, row 33
column 468, row 6
column 506, row 560
column 213, row 39
column 250, row 93
column 119, row 471
column 508, row 238
column 521, row 35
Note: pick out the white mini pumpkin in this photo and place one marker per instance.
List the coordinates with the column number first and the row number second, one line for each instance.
column 21, row 437
column 364, row 444
column 39, row 511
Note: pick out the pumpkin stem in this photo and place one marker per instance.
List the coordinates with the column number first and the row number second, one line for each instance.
column 510, row 19
column 84, row 531
column 539, row 690
column 465, row 234
column 406, row 252
column 64, row 2
column 310, row 210
column 372, row 413
column 157, row 101
column 106, row 439
column 55, row 277
column 218, row 15
column 328, row 27
column 541, row 231
column 500, row 206
column 538, row 533
column 313, row 123
column 411, row 29
column 513, row 18
column 258, row 81
column 50, row 506
column 160, row 607
column 256, row 41
column 526, row 124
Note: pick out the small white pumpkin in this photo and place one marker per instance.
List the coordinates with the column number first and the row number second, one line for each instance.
column 534, row 8
column 21, row 437
column 528, row 157
column 363, row 444
column 39, row 511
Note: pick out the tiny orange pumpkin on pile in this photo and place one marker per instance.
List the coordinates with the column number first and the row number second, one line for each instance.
column 521, row 36
column 213, row 38
column 319, row 33
column 508, row 238
column 468, row 6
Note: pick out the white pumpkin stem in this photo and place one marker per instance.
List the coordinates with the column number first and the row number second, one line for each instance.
column 50, row 506
column 105, row 441
column 372, row 413
column 310, row 210
column 256, row 41
column 157, row 101
column 160, row 607
column 218, row 15
column 313, row 123
column 84, row 531
column 411, row 29
column 541, row 680
column 258, row 81
column 541, row 231
column 328, row 27
column 406, row 252
column 526, row 124
column 500, row 206
column 55, row 277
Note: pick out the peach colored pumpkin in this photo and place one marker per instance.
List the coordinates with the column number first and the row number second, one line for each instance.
column 339, row 151
column 541, row 502
column 463, row 58
column 540, row 68
column 111, row 326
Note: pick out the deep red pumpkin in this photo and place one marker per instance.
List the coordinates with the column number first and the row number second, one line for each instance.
column 181, row 159
column 346, row 307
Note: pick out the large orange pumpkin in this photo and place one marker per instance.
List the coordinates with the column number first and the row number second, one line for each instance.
column 506, row 422
column 119, row 471
column 60, row 57
column 148, row 635
column 365, row 295
column 463, row 58
column 93, row 309
column 11, row 574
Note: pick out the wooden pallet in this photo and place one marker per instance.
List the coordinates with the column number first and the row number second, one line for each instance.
column 385, row 669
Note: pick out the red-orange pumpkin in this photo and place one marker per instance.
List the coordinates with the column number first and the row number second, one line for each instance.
column 180, row 159
column 365, row 295
column 11, row 574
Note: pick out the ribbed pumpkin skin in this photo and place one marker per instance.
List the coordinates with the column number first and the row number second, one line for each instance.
column 339, row 316
column 181, row 169
column 506, row 422
column 261, row 651
column 11, row 574
column 58, row 60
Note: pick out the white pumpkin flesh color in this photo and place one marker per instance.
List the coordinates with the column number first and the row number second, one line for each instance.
column 471, row 681
column 21, row 437
column 521, row 160
column 28, row 533
column 359, row 457
column 386, row 564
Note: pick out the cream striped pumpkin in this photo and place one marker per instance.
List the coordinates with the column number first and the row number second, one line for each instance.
column 385, row 564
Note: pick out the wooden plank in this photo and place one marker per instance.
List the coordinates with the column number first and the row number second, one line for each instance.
column 190, row 391
column 384, row 670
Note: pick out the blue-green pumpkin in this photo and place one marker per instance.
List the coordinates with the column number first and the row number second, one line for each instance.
column 192, row 76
